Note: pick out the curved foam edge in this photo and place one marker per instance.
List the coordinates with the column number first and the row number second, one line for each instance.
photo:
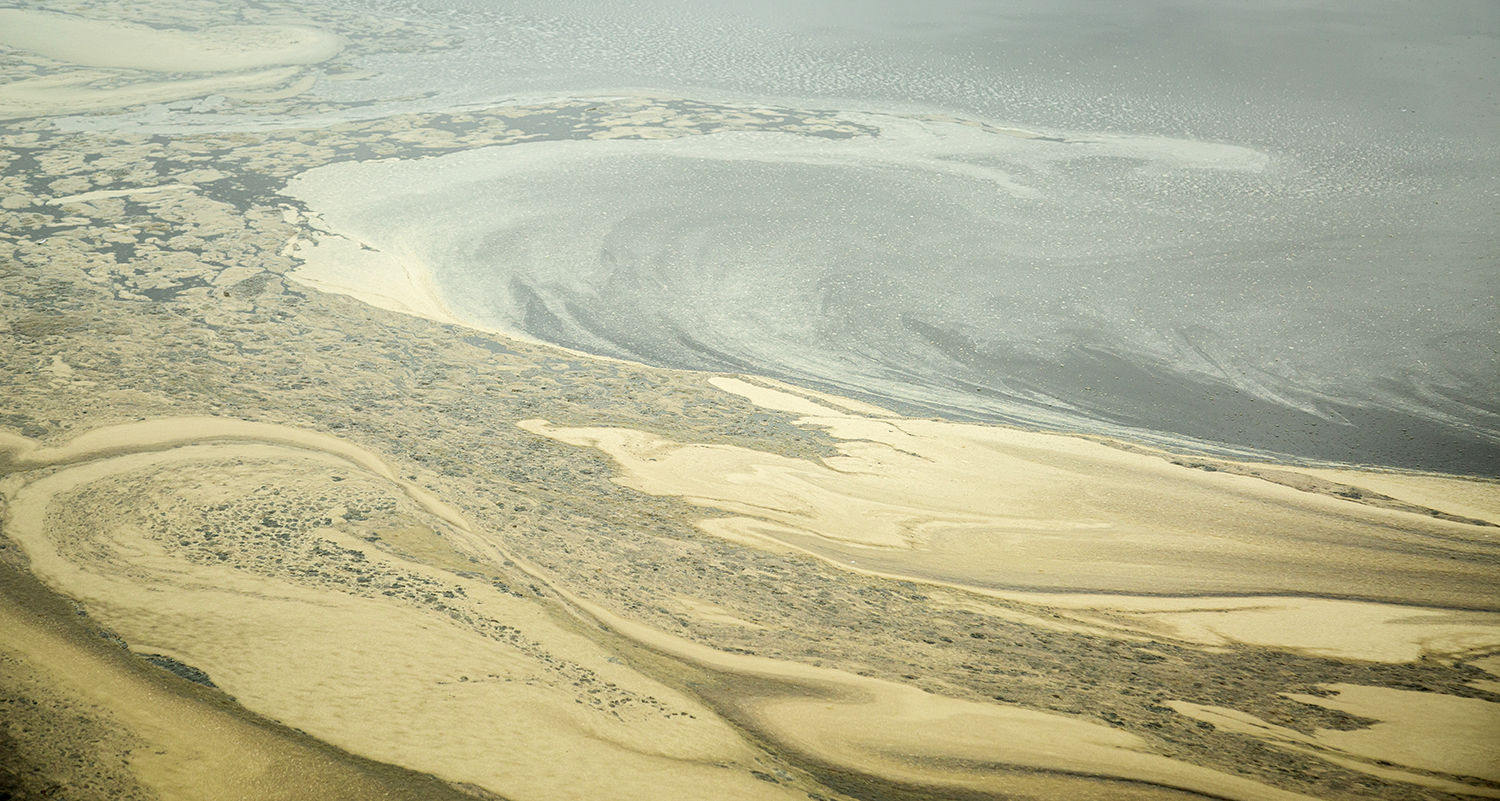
column 124, row 45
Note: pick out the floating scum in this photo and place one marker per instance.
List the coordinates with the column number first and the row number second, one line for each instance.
column 97, row 55
column 450, row 561
column 997, row 507
column 363, row 672
column 990, row 509
column 1115, row 540
column 310, row 643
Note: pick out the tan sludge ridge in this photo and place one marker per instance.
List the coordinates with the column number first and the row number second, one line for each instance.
column 417, row 560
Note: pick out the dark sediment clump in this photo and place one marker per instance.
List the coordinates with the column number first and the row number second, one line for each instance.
column 177, row 668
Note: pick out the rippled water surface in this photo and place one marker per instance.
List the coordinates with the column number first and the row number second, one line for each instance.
column 1271, row 227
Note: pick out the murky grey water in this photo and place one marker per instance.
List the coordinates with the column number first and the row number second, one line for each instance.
column 1269, row 226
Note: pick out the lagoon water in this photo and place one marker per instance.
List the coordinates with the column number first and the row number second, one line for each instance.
column 1270, row 228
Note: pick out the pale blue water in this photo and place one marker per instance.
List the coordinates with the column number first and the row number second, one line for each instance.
column 1272, row 226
